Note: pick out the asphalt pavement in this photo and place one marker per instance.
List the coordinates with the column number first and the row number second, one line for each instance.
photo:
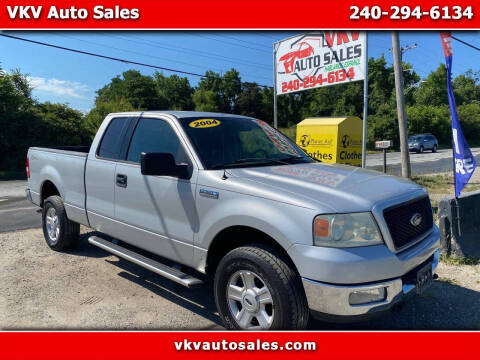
column 425, row 163
column 16, row 213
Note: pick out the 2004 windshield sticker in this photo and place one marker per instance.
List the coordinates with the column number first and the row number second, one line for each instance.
column 204, row 123
column 277, row 138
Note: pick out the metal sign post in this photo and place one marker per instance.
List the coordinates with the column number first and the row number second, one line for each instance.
column 365, row 105
column 275, row 121
column 384, row 145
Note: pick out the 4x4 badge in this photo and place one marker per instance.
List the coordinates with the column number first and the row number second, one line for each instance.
column 209, row 193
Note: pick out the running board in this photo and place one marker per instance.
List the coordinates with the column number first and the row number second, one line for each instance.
column 150, row 264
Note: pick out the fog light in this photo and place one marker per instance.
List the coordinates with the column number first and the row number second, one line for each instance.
column 368, row 296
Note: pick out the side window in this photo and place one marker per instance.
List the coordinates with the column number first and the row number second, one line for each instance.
column 155, row 136
column 111, row 144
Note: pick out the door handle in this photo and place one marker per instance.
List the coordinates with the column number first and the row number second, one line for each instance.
column 122, row 180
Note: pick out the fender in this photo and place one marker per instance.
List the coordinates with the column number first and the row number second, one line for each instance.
column 286, row 224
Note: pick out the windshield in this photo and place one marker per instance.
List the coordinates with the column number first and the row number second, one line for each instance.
column 239, row 142
column 413, row 138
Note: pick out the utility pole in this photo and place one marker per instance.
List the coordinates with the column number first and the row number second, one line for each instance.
column 401, row 112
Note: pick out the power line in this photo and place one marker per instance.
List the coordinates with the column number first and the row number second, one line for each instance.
column 240, row 40
column 466, row 43
column 199, row 53
column 231, row 43
column 125, row 61
column 134, row 52
column 148, row 55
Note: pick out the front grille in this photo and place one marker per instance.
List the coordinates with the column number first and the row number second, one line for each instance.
column 399, row 217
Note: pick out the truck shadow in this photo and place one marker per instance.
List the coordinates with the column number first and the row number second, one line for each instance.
column 84, row 248
column 198, row 300
column 444, row 306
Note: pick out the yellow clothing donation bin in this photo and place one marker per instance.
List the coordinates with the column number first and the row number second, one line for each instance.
column 332, row 139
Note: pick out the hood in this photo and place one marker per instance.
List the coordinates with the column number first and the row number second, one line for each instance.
column 329, row 187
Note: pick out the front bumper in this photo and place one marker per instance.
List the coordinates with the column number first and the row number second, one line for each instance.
column 334, row 300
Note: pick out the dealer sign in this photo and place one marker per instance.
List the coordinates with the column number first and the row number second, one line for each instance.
column 317, row 59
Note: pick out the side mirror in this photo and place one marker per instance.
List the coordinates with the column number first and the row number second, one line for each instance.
column 163, row 164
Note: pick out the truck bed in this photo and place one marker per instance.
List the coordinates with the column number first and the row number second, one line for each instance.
column 68, row 150
column 64, row 167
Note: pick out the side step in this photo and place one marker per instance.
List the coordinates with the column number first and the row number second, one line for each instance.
column 150, row 264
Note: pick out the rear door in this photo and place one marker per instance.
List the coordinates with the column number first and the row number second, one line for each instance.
column 156, row 213
column 100, row 174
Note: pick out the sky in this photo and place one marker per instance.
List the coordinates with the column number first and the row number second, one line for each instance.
column 72, row 78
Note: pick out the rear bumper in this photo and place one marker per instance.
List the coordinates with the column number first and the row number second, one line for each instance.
column 335, row 300
column 28, row 194
column 32, row 196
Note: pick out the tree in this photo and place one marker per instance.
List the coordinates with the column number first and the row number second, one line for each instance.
column 206, row 100
column 139, row 90
column 433, row 90
column 176, row 91
column 94, row 118
column 249, row 101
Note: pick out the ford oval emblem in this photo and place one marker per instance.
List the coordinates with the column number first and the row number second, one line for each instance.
column 416, row 219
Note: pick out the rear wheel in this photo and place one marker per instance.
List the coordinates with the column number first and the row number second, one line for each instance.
column 256, row 289
column 60, row 233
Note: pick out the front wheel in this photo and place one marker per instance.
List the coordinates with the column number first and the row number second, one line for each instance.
column 422, row 149
column 434, row 150
column 60, row 233
column 255, row 288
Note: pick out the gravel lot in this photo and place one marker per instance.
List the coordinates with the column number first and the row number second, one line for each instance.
column 90, row 289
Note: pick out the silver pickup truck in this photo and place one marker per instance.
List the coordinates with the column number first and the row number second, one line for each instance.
column 192, row 195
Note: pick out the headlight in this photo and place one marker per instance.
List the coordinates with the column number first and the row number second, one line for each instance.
column 346, row 230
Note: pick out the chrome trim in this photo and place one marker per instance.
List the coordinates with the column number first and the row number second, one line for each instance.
column 334, row 299
column 150, row 264
column 28, row 195
column 436, row 258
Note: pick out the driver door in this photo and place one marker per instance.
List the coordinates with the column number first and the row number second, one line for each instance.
column 156, row 213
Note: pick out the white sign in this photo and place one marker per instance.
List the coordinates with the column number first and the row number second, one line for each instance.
column 383, row 144
column 319, row 59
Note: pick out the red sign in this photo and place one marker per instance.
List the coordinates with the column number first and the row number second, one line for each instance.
column 188, row 345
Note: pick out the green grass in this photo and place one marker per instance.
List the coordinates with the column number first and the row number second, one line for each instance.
column 442, row 183
column 13, row 175
column 290, row 132
column 454, row 260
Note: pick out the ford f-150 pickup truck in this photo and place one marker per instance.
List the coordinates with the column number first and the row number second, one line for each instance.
column 192, row 195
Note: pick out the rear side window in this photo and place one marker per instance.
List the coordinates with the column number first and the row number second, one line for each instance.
column 155, row 136
column 111, row 145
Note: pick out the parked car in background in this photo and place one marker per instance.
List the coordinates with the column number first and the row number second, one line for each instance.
column 422, row 142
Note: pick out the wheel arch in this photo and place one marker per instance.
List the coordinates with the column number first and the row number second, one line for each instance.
column 48, row 189
column 236, row 236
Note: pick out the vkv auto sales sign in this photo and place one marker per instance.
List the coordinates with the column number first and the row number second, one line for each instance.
column 317, row 59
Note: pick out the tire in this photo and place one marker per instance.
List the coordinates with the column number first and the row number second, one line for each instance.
column 273, row 278
column 434, row 150
column 422, row 149
column 60, row 233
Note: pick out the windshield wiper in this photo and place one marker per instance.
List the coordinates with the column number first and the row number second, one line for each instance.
column 251, row 160
column 292, row 157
